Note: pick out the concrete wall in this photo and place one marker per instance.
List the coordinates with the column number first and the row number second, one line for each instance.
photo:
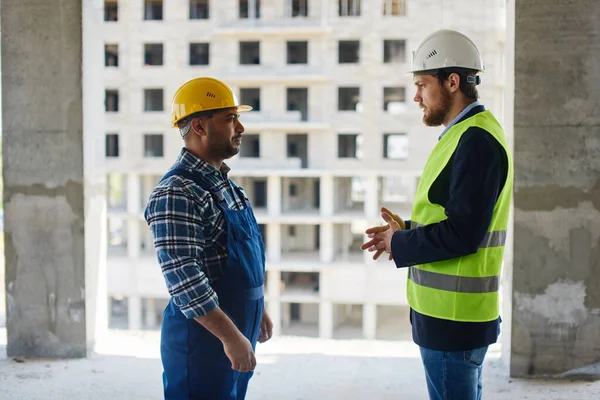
column 48, row 201
column 556, row 301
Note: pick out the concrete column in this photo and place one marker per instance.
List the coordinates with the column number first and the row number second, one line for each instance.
column 134, row 312
column 326, row 250
column 274, row 305
column 369, row 321
column 133, row 209
column 151, row 317
column 274, row 195
column 326, row 320
column 556, row 275
column 371, row 197
column 326, row 196
column 133, row 239
column 134, row 193
column 286, row 315
column 273, row 242
column 52, row 209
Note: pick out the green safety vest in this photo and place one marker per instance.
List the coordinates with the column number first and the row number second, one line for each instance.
column 463, row 288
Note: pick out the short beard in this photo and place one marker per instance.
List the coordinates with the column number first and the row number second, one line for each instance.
column 437, row 115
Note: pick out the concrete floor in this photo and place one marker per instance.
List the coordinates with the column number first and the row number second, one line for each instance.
column 127, row 367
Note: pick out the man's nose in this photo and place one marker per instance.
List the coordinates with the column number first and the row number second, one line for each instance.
column 239, row 128
column 417, row 98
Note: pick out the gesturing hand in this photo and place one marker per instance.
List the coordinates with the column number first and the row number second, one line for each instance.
column 381, row 236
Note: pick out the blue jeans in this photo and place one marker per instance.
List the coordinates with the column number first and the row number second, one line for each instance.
column 454, row 375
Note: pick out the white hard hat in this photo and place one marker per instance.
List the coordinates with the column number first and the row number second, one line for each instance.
column 446, row 49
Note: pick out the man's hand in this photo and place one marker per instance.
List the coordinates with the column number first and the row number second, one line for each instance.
column 266, row 328
column 381, row 236
column 239, row 351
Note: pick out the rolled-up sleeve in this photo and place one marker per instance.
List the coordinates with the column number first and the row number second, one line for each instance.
column 175, row 220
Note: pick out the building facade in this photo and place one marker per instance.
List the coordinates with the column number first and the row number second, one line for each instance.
column 334, row 136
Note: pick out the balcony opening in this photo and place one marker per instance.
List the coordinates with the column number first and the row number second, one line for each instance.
column 391, row 323
column 299, row 8
column 111, row 10
column 199, row 9
column 394, row 51
column 347, row 321
column 349, row 194
column 394, row 7
column 153, row 54
column 297, row 52
column 251, row 97
column 112, row 145
column 199, row 53
column 249, row 53
column 111, row 100
column 301, row 195
column 297, row 100
column 348, row 145
column 395, row 146
column 260, row 194
column 348, row 51
column 349, row 8
column 111, row 55
column 394, row 99
column 153, row 100
column 300, row 318
column 348, row 98
column 249, row 9
column 297, row 147
column 250, row 147
column 153, row 145
column 153, row 10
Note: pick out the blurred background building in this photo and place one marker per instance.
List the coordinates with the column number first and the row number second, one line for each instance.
column 333, row 136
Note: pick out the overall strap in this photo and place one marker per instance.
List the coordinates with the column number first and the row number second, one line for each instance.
column 241, row 192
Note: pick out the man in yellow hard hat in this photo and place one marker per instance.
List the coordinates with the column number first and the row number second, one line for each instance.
column 455, row 239
column 210, row 251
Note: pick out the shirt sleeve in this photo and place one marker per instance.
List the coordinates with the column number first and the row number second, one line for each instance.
column 175, row 220
column 477, row 175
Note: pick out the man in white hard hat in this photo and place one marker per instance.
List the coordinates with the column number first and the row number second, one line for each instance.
column 454, row 242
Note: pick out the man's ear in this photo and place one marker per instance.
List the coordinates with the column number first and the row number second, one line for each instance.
column 198, row 126
column 453, row 82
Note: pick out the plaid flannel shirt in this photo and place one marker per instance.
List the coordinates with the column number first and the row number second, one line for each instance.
column 190, row 233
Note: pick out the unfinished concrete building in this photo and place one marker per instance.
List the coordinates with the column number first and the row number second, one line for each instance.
column 318, row 166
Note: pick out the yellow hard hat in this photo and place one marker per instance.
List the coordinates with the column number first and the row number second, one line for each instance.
column 203, row 94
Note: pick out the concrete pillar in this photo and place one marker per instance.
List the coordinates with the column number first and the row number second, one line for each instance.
column 369, row 321
column 274, row 304
column 556, row 275
column 274, row 195
column 151, row 316
column 326, row 196
column 273, row 242
column 134, row 312
column 134, row 193
column 326, row 319
column 54, row 212
column 371, row 204
column 327, row 245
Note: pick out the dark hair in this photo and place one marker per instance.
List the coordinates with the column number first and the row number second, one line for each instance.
column 467, row 88
column 467, row 76
column 199, row 114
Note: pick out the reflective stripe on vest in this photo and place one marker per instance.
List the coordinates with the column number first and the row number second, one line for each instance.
column 453, row 283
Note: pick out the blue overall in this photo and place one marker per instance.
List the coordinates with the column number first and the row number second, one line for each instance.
column 194, row 362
